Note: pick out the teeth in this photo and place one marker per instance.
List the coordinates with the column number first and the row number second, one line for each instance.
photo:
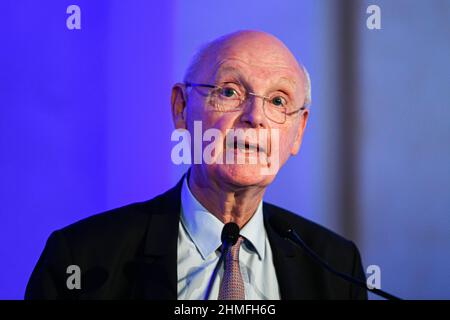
column 250, row 148
column 240, row 145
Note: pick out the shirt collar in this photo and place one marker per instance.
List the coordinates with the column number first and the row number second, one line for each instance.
column 205, row 229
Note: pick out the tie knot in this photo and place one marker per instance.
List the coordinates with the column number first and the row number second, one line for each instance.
column 233, row 254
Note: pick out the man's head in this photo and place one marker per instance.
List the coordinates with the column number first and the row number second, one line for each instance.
column 251, row 62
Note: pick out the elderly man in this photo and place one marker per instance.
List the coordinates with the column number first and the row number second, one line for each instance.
column 171, row 247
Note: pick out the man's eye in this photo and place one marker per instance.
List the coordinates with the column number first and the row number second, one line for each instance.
column 278, row 101
column 229, row 92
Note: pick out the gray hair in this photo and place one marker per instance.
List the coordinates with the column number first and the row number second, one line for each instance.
column 308, row 98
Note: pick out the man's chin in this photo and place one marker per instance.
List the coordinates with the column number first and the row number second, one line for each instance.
column 243, row 175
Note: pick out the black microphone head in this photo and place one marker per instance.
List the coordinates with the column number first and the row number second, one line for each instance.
column 230, row 233
column 280, row 225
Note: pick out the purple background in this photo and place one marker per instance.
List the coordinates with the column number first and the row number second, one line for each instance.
column 85, row 121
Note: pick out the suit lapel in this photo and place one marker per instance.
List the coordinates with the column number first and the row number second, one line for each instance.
column 157, row 266
column 291, row 264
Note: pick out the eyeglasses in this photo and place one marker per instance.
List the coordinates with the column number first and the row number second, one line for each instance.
column 231, row 97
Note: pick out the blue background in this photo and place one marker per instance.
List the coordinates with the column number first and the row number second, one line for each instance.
column 85, row 121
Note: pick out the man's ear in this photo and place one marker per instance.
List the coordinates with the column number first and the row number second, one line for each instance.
column 301, row 129
column 178, row 101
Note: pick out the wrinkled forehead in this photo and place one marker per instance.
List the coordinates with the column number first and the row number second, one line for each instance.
column 253, row 71
column 273, row 64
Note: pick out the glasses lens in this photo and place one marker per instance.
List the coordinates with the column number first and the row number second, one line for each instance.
column 227, row 98
column 230, row 97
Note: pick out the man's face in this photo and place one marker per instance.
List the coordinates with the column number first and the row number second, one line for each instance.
column 264, row 68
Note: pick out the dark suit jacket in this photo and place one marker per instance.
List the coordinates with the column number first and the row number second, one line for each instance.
column 131, row 253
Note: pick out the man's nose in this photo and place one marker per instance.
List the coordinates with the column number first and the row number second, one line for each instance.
column 253, row 112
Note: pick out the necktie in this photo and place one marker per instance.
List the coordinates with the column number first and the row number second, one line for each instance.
column 232, row 286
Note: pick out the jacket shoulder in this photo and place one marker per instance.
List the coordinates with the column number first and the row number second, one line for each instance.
column 334, row 250
column 116, row 228
column 104, row 246
column 314, row 234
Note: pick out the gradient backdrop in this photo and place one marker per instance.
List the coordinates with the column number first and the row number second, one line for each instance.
column 85, row 121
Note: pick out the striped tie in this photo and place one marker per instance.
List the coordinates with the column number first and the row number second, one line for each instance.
column 232, row 286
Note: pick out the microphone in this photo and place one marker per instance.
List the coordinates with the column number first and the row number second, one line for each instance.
column 229, row 236
column 282, row 227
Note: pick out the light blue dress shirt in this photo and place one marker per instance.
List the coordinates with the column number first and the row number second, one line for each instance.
column 198, row 254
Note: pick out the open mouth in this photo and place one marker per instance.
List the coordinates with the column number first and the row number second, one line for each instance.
column 245, row 146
